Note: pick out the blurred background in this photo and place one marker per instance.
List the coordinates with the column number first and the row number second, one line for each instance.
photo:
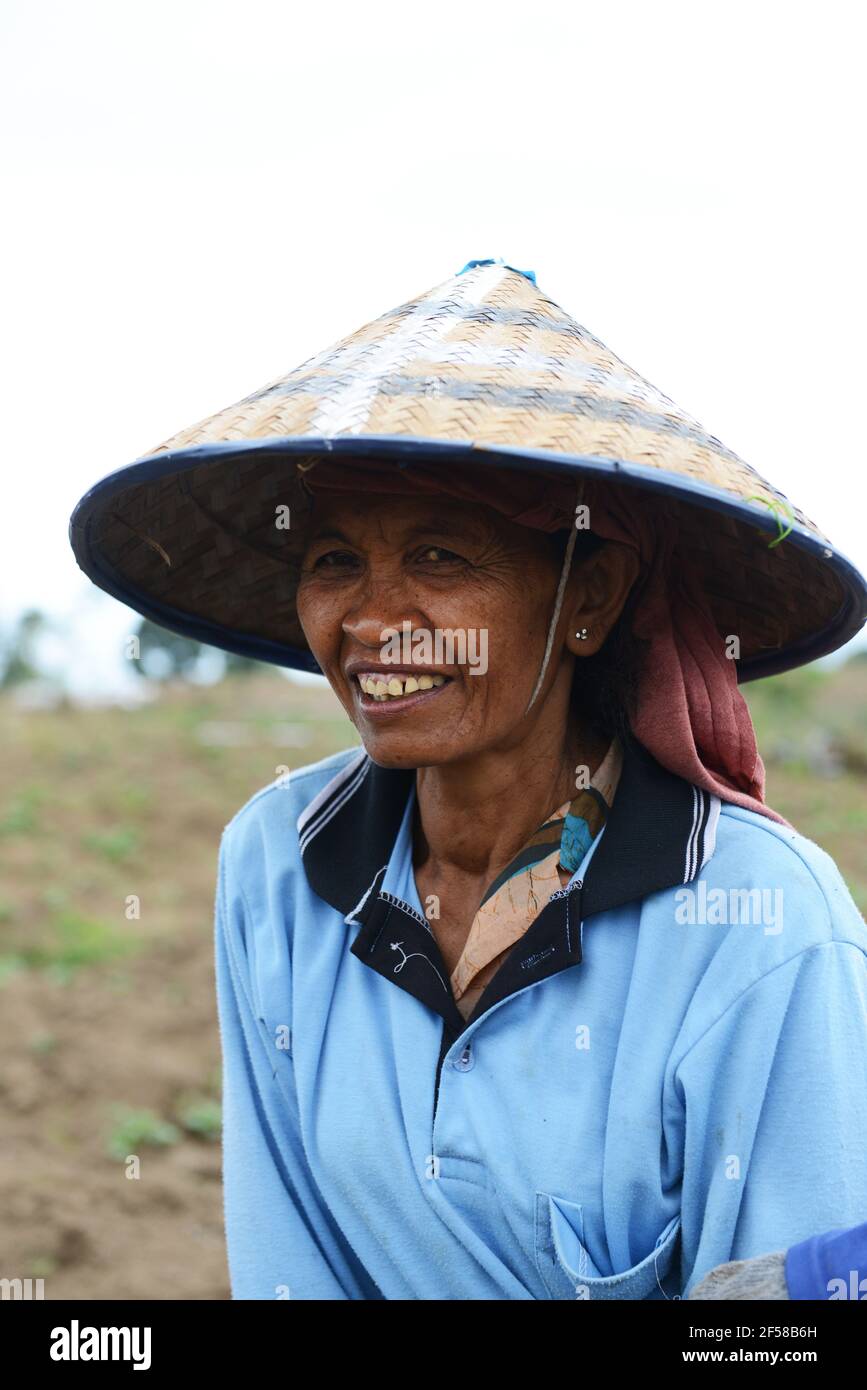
column 199, row 196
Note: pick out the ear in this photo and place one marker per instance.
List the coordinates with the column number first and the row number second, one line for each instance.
column 599, row 589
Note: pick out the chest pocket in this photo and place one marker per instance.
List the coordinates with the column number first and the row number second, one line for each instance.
column 567, row 1270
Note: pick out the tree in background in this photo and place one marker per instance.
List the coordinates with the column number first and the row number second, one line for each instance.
column 165, row 656
column 18, row 659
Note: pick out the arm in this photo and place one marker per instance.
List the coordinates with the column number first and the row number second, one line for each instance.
column 281, row 1239
column 775, row 1093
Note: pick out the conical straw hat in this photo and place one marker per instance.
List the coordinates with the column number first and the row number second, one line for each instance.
column 483, row 369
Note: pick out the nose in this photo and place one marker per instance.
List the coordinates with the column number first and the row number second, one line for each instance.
column 383, row 606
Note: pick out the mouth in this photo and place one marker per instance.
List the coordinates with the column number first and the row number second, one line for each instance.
column 392, row 690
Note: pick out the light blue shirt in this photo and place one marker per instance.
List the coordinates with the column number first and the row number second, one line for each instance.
column 663, row 1087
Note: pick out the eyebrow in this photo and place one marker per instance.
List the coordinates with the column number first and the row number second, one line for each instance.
column 328, row 533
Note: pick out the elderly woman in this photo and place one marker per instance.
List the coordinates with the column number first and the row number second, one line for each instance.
column 532, row 996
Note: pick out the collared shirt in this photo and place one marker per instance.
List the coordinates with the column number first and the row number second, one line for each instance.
column 668, row 1071
column 541, row 868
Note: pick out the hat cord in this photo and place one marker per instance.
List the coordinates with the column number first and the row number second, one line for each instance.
column 558, row 604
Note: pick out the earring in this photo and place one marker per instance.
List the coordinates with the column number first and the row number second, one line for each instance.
column 582, row 634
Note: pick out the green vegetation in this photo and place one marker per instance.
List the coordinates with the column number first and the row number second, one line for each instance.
column 118, row 844
column 72, row 941
column 133, row 1130
column 200, row 1115
column 22, row 813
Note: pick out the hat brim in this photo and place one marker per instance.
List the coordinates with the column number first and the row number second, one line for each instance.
column 187, row 538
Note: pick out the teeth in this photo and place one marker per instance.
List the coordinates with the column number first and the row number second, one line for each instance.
column 378, row 688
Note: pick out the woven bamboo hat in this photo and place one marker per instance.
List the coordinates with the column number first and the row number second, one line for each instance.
column 483, row 369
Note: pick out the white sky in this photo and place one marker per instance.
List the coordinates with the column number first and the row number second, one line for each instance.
column 199, row 196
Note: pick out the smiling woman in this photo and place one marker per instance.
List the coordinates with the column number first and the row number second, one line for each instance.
column 378, row 562
column 515, row 1069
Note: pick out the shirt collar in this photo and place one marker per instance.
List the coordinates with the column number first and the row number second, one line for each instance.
column 659, row 832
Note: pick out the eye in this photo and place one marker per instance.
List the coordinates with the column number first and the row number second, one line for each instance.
column 438, row 555
column 335, row 560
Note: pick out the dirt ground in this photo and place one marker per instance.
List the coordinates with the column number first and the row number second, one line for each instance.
column 98, row 1011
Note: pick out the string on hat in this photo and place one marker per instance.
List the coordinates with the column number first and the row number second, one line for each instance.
column 558, row 604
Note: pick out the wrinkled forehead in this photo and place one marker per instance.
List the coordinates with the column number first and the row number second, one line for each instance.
column 369, row 515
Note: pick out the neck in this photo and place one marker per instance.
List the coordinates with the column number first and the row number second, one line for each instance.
column 474, row 816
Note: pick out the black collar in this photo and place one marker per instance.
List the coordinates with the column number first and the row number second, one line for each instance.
column 659, row 832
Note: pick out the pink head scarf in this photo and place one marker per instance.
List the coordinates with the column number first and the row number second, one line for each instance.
column 690, row 714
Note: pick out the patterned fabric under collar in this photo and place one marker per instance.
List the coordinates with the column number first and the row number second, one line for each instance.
column 525, row 887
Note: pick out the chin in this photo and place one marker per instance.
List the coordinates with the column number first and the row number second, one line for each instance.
column 396, row 752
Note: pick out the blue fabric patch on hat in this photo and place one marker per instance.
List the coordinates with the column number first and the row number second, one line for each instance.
column 498, row 260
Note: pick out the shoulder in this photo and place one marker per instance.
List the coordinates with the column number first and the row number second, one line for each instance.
column 270, row 819
column 766, row 931
column 259, row 870
column 756, row 854
column 767, row 903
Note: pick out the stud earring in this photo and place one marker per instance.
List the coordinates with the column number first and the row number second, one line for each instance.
column 582, row 634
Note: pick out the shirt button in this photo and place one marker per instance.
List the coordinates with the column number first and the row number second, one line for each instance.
column 465, row 1061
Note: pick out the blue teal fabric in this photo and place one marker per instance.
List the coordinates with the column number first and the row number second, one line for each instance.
column 575, row 842
column 685, row 1096
column 831, row 1266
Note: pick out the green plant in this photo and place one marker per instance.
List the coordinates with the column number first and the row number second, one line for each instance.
column 21, row 818
column 135, row 1129
column 116, row 845
column 200, row 1115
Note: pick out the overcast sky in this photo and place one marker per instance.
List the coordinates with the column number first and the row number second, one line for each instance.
column 199, row 196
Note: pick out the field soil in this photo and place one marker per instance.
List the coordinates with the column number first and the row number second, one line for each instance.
column 108, row 1027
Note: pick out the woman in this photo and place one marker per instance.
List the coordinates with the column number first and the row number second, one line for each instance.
column 533, row 996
